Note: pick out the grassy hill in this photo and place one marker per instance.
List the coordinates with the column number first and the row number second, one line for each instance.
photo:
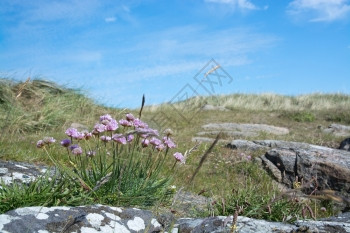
column 36, row 108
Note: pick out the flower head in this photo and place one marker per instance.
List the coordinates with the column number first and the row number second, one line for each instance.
column 139, row 124
column 90, row 153
column 79, row 136
column 145, row 142
column 179, row 157
column 105, row 118
column 105, row 138
column 40, row 144
column 129, row 138
column 168, row 132
column 87, row 135
column 99, row 128
column 112, row 125
column 77, row 151
column 130, row 117
column 119, row 138
column 71, row 132
column 49, row 140
column 155, row 141
column 125, row 123
column 160, row 147
column 66, row 142
column 72, row 147
column 168, row 142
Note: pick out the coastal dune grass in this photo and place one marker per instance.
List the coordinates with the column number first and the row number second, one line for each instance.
column 229, row 178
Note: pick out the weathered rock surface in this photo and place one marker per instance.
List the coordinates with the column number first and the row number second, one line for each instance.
column 242, row 130
column 338, row 130
column 345, row 144
column 331, row 167
column 209, row 107
column 19, row 172
column 209, row 140
column 266, row 144
column 106, row 219
column 84, row 219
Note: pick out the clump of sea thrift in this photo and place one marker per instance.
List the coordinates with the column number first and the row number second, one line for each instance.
column 119, row 157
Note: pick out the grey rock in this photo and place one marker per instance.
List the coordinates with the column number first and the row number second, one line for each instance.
column 245, row 145
column 187, row 204
column 330, row 166
column 209, row 107
column 20, row 172
column 97, row 218
column 345, row 144
column 105, row 219
column 3, row 171
column 338, row 130
column 251, row 128
column 209, row 140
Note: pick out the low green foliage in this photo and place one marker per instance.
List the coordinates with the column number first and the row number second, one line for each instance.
column 46, row 190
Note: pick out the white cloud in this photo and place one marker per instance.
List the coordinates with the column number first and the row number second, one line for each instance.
column 319, row 10
column 241, row 4
column 110, row 19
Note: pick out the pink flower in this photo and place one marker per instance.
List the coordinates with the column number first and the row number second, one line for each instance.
column 139, row 124
column 145, row 142
column 77, row 151
column 105, row 138
column 40, row 144
column 125, row 123
column 105, row 118
column 119, row 138
column 112, row 125
column 130, row 117
column 179, row 157
column 129, row 138
column 49, row 140
column 168, row 142
column 79, row 136
column 87, row 135
column 155, row 141
column 99, row 128
column 66, row 142
column 160, row 147
column 71, row 132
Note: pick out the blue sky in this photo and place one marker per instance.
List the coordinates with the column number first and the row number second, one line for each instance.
column 119, row 50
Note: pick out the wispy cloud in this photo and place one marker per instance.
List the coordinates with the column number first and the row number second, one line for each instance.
column 319, row 10
column 240, row 4
column 110, row 19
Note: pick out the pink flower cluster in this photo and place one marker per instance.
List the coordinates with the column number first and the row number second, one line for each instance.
column 107, row 124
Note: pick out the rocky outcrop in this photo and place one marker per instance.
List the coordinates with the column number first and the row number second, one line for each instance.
column 209, row 107
column 246, row 129
column 338, row 130
column 345, row 144
column 230, row 130
column 329, row 167
column 107, row 219
column 20, row 172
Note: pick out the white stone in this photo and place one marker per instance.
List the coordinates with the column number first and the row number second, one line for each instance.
column 155, row 223
column 113, row 216
column 116, row 209
column 42, row 216
column 95, row 220
column 37, row 209
column 43, row 231
column 136, row 224
column 118, row 228
column 4, row 219
column 20, row 166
